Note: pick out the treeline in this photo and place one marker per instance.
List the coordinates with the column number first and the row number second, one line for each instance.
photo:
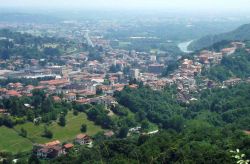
column 203, row 131
column 223, row 106
column 28, row 46
column 198, row 143
column 28, row 39
column 100, row 115
column 156, row 106
column 40, row 107
column 217, row 106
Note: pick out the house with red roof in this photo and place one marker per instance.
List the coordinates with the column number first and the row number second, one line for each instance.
column 12, row 93
column 83, row 139
column 49, row 150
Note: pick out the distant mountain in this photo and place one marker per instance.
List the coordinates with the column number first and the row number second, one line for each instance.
column 240, row 34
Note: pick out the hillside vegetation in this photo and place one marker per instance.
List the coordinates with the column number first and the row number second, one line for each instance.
column 240, row 34
column 204, row 132
column 236, row 65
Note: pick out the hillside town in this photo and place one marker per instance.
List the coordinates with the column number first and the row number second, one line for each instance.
column 90, row 71
column 87, row 81
column 124, row 82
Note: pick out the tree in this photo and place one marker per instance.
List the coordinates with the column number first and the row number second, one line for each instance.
column 172, row 66
column 53, row 115
column 7, row 121
column 51, row 52
column 30, row 115
column 62, row 120
column 140, row 116
column 99, row 91
column 47, row 133
column 75, row 112
column 83, row 128
column 176, row 123
column 47, row 105
column 23, row 132
column 123, row 132
column 144, row 125
column 5, row 54
column 33, row 159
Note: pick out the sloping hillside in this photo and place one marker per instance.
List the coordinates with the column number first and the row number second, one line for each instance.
column 240, row 34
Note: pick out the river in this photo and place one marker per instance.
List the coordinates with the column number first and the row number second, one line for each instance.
column 184, row 46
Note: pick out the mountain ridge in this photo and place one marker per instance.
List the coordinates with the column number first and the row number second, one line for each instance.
column 242, row 33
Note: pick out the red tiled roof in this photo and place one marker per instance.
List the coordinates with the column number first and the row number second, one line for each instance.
column 13, row 93
column 70, row 94
column 3, row 89
column 134, row 86
column 29, row 86
column 18, row 84
column 82, row 101
column 56, row 98
column 39, row 87
column 53, row 143
column 55, row 82
column 68, row 145
column 118, row 85
column 109, row 133
column 119, row 89
column 81, row 136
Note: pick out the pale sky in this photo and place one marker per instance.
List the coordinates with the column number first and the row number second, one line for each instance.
column 223, row 5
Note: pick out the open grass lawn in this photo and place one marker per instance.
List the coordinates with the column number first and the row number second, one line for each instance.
column 66, row 133
column 72, row 128
column 11, row 141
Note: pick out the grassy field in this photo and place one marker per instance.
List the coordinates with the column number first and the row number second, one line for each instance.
column 11, row 141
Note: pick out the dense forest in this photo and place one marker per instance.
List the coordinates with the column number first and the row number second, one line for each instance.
column 203, row 131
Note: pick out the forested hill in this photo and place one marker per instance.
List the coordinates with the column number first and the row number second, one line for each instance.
column 28, row 46
column 240, row 34
column 203, row 131
column 235, row 65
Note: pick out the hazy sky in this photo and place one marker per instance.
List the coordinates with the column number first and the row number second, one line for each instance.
column 223, row 5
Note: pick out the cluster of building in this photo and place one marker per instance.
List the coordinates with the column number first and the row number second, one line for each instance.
column 81, row 79
column 185, row 76
column 209, row 58
column 56, row 148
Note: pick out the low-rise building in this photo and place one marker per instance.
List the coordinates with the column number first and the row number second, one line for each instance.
column 83, row 139
column 49, row 150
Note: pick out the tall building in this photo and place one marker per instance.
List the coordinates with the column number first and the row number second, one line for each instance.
column 153, row 58
column 135, row 73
